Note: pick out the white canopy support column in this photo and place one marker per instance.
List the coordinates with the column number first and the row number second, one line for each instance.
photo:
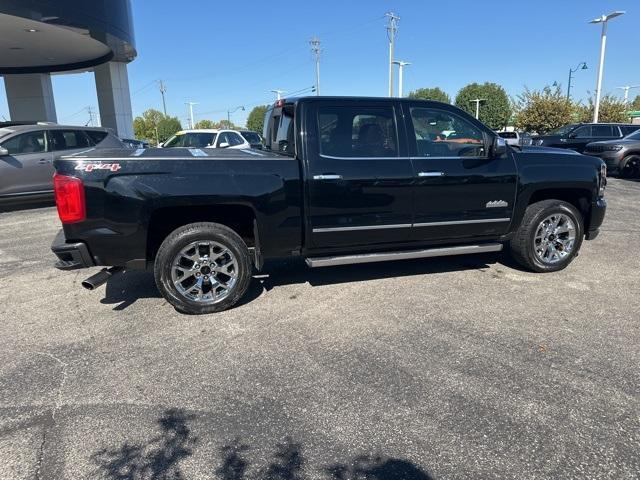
column 30, row 97
column 112, row 87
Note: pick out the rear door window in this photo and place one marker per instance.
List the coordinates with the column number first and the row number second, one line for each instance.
column 68, row 139
column 357, row 132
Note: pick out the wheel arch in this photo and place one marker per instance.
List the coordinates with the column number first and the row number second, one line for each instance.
column 241, row 218
column 580, row 198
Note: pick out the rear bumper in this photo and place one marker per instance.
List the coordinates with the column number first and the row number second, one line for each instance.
column 71, row 256
column 598, row 209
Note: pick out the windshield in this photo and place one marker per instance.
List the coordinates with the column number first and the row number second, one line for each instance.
column 633, row 136
column 251, row 137
column 563, row 130
column 508, row 134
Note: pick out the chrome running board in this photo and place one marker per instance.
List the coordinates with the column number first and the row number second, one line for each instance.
column 389, row 256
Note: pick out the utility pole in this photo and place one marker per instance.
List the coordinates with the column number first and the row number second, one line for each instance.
column 191, row 104
column 163, row 89
column 626, row 89
column 392, row 30
column 278, row 93
column 315, row 49
column 90, row 112
column 477, row 102
column 401, row 66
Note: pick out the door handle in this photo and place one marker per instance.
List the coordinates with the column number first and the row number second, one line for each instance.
column 327, row 177
column 431, row 174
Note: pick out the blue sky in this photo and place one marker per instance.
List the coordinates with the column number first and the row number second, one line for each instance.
column 223, row 56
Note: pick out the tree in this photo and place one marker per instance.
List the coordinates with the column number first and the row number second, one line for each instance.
column 612, row 109
column 225, row 125
column 434, row 93
column 154, row 125
column 543, row 110
column 255, row 120
column 635, row 105
column 494, row 109
column 204, row 124
column 167, row 126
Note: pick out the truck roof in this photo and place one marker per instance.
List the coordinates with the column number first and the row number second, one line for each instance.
column 171, row 154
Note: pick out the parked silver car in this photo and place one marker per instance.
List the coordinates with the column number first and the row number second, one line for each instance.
column 27, row 153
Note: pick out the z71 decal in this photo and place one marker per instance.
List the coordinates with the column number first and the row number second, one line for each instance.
column 90, row 167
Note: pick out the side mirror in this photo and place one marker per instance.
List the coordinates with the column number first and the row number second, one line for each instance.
column 3, row 152
column 499, row 146
column 161, row 144
column 573, row 135
column 223, row 145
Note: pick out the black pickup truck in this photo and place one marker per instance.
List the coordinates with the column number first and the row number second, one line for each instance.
column 340, row 181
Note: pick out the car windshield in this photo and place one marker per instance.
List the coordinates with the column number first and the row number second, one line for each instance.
column 251, row 137
column 508, row 134
column 563, row 130
column 633, row 136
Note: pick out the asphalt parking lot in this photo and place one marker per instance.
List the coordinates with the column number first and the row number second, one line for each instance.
column 445, row 368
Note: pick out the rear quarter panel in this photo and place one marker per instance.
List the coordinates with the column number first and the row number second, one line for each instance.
column 120, row 203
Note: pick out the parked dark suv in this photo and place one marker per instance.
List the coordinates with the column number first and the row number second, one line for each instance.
column 621, row 156
column 576, row 136
column 27, row 152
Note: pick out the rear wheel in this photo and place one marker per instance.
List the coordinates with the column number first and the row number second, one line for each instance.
column 549, row 237
column 203, row 268
column 630, row 166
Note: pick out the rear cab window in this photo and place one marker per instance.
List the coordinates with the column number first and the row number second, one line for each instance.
column 279, row 129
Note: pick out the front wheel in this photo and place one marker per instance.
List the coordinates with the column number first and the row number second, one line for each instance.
column 549, row 237
column 203, row 268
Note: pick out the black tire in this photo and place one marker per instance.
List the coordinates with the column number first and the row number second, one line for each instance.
column 522, row 244
column 629, row 166
column 183, row 237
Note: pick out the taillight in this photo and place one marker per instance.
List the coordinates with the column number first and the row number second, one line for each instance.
column 602, row 179
column 69, row 194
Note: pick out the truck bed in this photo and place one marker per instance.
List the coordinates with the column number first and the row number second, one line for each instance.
column 131, row 195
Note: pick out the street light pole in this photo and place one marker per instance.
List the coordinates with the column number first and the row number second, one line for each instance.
column 401, row 66
column 229, row 112
column 191, row 104
column 581, row 66
column 477, row 102
column 278, row 93
column 604, row 19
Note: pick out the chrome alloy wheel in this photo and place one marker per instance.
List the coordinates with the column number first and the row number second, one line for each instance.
column 555, row 238
column 204, row 272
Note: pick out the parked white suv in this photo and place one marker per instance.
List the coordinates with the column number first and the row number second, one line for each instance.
column 206, row 138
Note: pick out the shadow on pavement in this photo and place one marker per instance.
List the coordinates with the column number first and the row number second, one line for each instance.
column 160, row 459
column 124, row 289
